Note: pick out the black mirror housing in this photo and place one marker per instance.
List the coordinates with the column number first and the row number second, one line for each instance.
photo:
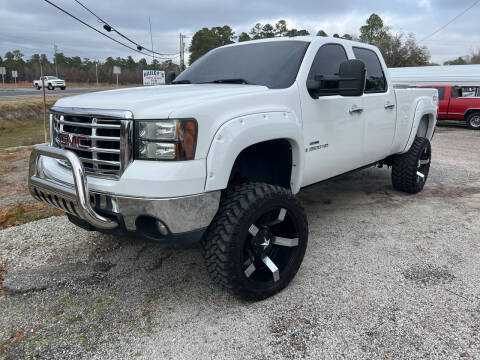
column 170, row 77
column 350, row 81
column 353, row 76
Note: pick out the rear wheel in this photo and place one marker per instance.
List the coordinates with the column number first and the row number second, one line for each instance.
column 410, row 170
column 257, row 240
column 37, row 87
column 473, row 121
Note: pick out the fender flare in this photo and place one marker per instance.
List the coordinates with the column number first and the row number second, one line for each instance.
column 241, row 132
column 465, row 114
column 425, row 107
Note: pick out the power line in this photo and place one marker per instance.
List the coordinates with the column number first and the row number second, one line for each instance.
column 451, row 21
column 109, row 28
column 91, row 27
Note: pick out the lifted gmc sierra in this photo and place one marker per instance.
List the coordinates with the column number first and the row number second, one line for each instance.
column 219, row 154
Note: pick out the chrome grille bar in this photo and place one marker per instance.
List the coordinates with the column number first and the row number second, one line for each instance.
column 96, row 149
column 86, row 125
column 102, row 139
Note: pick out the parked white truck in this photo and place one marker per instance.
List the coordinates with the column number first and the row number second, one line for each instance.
column 51, row 82
column 219, row 154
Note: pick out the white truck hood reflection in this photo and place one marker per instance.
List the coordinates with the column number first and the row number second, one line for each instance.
column 158, row 102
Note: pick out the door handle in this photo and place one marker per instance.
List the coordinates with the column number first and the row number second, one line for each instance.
column 355, row 109
column 389, row 106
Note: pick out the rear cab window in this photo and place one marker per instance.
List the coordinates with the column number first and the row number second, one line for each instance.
column 376, row 80
column 441, row 91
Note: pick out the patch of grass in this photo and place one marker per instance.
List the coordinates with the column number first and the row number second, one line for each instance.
column 24, row 213
column 83, row 339
column 21, row 132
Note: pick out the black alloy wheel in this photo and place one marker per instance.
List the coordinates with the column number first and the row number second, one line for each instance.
column 257, row 240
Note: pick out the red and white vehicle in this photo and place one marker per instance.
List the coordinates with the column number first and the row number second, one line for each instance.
column 459, row 103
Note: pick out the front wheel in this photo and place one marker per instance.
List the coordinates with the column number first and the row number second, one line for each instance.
column 63, row 87
column 473, row 121
column 410, row 170
column 50, row 87
column 257, row 240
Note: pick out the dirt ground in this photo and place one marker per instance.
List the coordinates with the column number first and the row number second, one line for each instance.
column 16, row 205
column 386, row 276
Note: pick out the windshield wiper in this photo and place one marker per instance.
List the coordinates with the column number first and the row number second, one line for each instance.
column 181, row 82
column 229, row 81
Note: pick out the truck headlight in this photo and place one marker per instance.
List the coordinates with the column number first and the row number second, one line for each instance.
column 165, row 139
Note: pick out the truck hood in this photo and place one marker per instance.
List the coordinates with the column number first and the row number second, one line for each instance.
column 210, row 104
column 158, row 102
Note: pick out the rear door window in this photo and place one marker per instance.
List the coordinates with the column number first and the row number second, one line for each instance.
column 376, row 80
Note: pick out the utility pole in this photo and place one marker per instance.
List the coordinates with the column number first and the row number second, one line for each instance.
column 55, row 58
column 96, row 70
column 182, row 51
column 151, row 40
column 44, row 104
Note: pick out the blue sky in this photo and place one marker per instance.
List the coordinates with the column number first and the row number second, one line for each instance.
column 33, row 25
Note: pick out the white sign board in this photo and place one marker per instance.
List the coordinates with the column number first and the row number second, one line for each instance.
column 153, row 77
column 117, row 70
column 14, row 73
column 2, row 71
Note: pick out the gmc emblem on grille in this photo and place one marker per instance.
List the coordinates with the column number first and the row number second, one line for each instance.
column 71, row 140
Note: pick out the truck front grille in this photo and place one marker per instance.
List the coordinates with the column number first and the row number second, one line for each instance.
column 101, row 142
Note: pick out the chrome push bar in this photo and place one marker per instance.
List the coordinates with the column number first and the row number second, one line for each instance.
column 74, row 200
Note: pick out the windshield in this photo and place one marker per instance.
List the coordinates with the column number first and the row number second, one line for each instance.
column 51, row 77
column 273, row 64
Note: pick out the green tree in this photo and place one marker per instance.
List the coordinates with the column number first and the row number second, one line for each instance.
column 256, row 31
column 281, row 28
column 374, row 31
column 268, row 31
column 321, row 33
column 244, row 37
column 142, row 63
column 336, row 36
column 459, row 61
column 206, row 39
column 347, row 37
column 398, row 50
column 295, row 32
column 17, row 56
column 130, row 63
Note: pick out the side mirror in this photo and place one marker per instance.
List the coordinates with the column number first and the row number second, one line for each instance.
column 170, row 77
column 350, row 81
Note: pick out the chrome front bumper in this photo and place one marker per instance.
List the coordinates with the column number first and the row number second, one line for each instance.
column 179, row 214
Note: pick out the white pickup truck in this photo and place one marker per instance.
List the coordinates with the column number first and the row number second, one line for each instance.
column 219, row 154
column 51, row 82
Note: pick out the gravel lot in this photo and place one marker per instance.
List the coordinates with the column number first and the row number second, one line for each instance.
column 386, row 275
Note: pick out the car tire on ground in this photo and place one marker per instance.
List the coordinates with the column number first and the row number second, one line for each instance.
column 63, row 87
column 50, row 87
column 410, row 170
column 257, row 240
column 38, row 87
column 473, row 121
